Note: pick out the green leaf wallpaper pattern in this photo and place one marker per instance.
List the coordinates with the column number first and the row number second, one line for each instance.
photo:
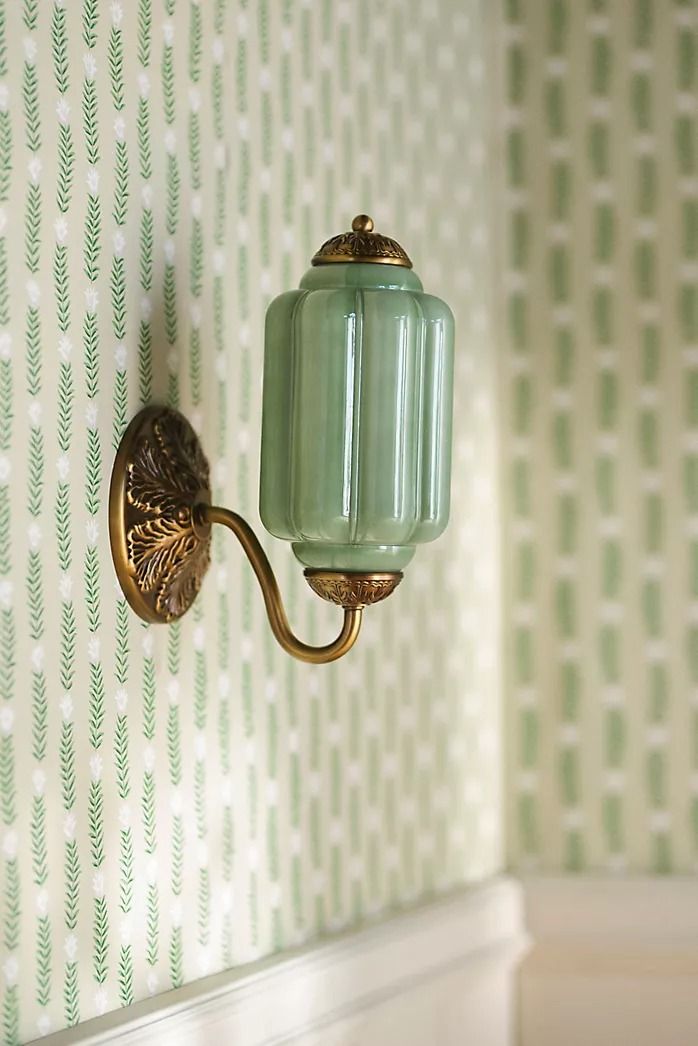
column 599, row 396
column 177, row 801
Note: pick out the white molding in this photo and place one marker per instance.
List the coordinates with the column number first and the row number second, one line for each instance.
column 615, row 961
column 473, row 938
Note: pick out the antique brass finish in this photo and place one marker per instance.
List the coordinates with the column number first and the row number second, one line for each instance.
column 362, row 244
column 160, row 520
column 160, row 553
column 352, row 590
column 272, row 597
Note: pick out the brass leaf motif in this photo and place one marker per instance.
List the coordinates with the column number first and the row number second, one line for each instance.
column 166, row 477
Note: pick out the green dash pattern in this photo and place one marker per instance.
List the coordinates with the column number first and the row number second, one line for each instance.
column 599, row 401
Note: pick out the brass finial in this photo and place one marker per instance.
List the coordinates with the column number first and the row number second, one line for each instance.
column 362, row 223
column 362, row 244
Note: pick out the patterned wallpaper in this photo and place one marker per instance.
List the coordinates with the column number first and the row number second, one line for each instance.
column 176, row 801
column 599, row 400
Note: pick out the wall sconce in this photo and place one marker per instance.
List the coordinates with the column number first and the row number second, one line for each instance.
column 356, row 448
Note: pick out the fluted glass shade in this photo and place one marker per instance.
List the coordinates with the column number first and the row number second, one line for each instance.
column 357, row 412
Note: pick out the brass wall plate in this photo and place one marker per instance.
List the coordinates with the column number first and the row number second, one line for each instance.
column 161, row 550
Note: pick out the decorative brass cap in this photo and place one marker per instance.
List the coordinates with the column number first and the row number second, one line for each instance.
column 352, row 590
column 362, row 244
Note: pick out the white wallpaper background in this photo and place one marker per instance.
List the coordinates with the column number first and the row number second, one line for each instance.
column 175, row 801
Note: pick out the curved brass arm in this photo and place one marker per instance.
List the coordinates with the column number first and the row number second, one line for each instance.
column 316, row 655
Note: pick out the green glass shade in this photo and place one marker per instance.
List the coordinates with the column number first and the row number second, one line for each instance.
column 357, row 414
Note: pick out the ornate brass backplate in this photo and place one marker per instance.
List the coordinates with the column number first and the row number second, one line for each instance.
column 161, row 550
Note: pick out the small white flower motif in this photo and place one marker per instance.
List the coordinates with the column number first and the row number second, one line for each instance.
column 60, row 230
column 67, row 708
column 176, row 913
column 204, row 961
column 170, row 142
column 5, row 345
column 116, row 13
column 147, row 196
column 33, row 293
column 217, row 49
column 121, row 698
column 227, row 790
column 91, row 415
column 43, row 1025
column 5, row 594
column 5, row 469
column 147, row 644
column 4, row 98
column 91, row 299
column 65, row 587
column 63, row 467
column 37, row 658
column 34, row 169
column 169, row 251
column 227, row 899
column 176, row 803
column 69, row 825
column 96, row 767
column 89, row 63
column 10, row 971
column 119, row 241
column 173, row 691
column 196, row 420
column 92, row 532
column 65, row 347
column 172, row 364
column 202, row 854
column 125, row 932
column 29, row 50
column 34, row 536
column 98, row 884
column 39, row 782
column 199, row 637
column 70, row 947
column 9, row 845
column 42, row 902
column 194, row 99
column 221, row 366
column 125, row 815
column 35, row 411
column 93, row 649
column 3, row 220
column 196, row 205
column 7, row 719
column 119, row 128
column 168, row 33
column 199, row 746
column 101, row 1001
column 219, row 156
column 63, row 111
column 223, row 684
column 143, row 85
column 92, row 180
column 219, row 262
column 151, row 870
column 149, row 759
column 120, row 356
column 152, row 983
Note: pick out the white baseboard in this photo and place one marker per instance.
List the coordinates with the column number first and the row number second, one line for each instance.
column 615, row 962
column 441, row 974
